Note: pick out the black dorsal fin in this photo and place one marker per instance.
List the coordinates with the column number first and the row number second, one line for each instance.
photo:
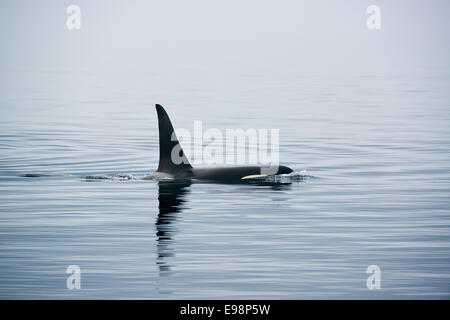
column 167, row 142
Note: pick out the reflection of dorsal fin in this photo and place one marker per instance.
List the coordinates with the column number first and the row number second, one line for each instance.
column 167, row 144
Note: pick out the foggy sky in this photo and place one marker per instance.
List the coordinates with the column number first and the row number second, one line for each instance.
column 295, row 36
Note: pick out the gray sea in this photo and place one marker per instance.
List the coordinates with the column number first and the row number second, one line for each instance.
column 372, row 152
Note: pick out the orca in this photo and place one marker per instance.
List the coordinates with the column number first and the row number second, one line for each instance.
column 168, row 170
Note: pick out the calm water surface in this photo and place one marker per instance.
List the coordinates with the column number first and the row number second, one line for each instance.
column 375, row 150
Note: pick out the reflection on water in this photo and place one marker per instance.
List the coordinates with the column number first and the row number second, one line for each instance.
column 376, row 149
column 172, row 200
column 171, row 197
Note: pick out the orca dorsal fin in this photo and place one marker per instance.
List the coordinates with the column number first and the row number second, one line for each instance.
column 167, row 142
